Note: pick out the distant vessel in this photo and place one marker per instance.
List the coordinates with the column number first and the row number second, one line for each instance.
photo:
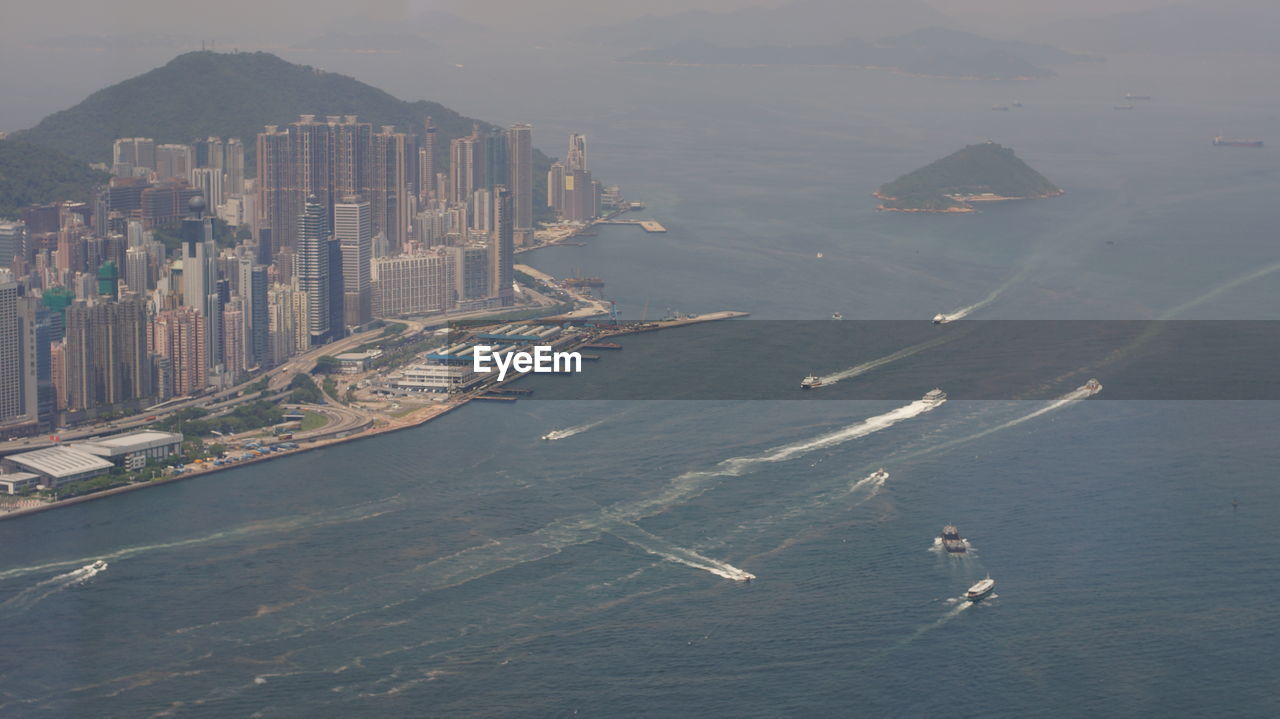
column 1221, row 141
column 981, row 589
column 880, row 475
column 952, row 541
column 636, row 205
column 550, row 435
column 1092, row 386
column 1131, row 96
column 810, row 382
column 837, row 316
column 935, row 396
column 941, row 319
column 820, row 255
column 98, row 566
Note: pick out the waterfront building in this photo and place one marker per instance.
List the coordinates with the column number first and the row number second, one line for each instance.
column 576, row 159
column 57, row 466
column 555, row 187
column 132, row 450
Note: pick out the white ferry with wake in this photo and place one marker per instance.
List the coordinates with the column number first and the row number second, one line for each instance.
column 935, row 396
column 810, row 382
column 981, row 589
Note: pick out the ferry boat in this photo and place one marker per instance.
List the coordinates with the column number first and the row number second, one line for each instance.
column 935, row 396
column 981, row 589
column 810, row 382
column 940, row 319
column 952, row 541
column 1092, row 386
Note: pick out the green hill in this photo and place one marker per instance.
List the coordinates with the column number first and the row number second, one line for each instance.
column 200, row 94
column 32, row 174
column 977, row 173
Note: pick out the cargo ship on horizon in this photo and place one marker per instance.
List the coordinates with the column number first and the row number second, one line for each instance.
column 1221, row 141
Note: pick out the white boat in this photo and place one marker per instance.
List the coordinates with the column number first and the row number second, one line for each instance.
column 1092, row 386
column 981, row 589
column 837, row 316
column 810, row 382
column 935, row 396
column 549, row 436
column 940, row 319
column 880, row 474
column 98, row 566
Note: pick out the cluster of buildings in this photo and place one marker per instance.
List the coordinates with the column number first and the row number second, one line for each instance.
column 55, row 467
column 182, row 274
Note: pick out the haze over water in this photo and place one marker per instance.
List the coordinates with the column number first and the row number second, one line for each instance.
column 467, row 567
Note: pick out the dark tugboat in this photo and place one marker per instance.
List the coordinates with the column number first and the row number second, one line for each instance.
column 952, row 541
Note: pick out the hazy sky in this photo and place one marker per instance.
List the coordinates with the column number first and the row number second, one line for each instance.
column 52, row 18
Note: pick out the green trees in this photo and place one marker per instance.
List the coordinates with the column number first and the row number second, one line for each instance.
column 304, row 390
column 977, row 169
column 30, row 174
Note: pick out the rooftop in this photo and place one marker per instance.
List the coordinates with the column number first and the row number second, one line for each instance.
column 59, row 461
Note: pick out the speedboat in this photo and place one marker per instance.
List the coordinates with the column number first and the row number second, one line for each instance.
column 98, row 566
column 981, row 589
column 940, row 319
column 810, row 382
column 837, row 316
column 549, row 436
column 935, row 395
column 1092, row 386
column 880, row 474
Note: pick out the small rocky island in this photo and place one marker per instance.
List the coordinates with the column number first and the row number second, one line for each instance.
column 979, row 173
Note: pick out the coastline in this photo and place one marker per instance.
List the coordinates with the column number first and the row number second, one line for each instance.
column 415, row 418
column 964, row 200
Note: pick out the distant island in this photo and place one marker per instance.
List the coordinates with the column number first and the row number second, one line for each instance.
column 934, row 52
column 979, row 173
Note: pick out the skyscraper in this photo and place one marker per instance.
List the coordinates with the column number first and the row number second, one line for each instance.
column 496, row 156
column 463, row 172
column 387, row 187
column 129, row 154
column 555, row 187
column 502, row 248
column 174, row 161
column 427, row 163
column 11, row 366
column 178, row 335
column 312, row 268
column 106, row 353
column 253, row 293
column 200, row 277
column 520, row 156
column 577, row 157
column 353, row 229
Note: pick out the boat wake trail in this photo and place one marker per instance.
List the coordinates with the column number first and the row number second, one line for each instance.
column 567, row 432
column 359, row 512
column 877, row 363
column 1225, row 287
column 966, row 311
column 40, row 591
column 1073, row 396
column 633, row 535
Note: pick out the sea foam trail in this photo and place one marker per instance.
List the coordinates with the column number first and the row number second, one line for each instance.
column 631, row 534
column 342, row 515
column 966, row 311
column 1225, row 287
column 40, row 591
column 877, row 363
column 567, row 432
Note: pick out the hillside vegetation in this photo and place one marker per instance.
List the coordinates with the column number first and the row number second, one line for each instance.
column 31, row 174
column 202, row 94
column 982, row 169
